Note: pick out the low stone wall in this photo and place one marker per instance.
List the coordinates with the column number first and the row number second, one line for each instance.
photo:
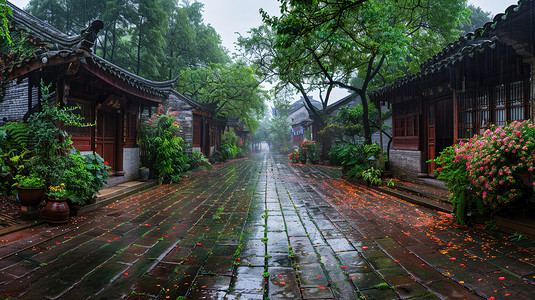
column 406, row 164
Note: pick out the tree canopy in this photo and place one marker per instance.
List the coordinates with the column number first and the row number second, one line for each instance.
column 4, row 23
column 477, row 19
column 322, row 44
column 152, row 38
column 232, row 88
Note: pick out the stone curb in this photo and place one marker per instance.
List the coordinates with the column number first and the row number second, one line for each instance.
column 112, row 197
column 101, row 201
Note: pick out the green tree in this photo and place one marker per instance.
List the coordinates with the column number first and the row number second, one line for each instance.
column 347, row 126
column 278, row 129
column 117, row 17
column 5, row 11
column 148, row 37
column 321, row 44
column 69, row 16
column 232, row 88
column 477, row 19
column 156, row 39
column 190, row 42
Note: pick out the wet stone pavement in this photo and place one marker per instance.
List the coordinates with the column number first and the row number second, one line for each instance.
column 260, row 227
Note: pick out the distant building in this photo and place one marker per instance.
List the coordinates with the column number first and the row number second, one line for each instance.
column 299, row 118
column 485, row 77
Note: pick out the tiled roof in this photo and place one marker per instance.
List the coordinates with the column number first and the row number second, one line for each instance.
column 466, row 46
column 55, row 43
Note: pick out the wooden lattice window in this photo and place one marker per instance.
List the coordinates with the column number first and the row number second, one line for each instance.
column 466, row 108
column 516, row 109
column 84, row 110
column 406, row 126
column 484, row 108
column 500, row 112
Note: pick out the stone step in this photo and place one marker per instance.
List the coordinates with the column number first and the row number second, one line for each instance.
column 415, row 199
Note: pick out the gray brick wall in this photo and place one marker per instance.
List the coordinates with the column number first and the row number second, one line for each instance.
column 406, row 164
column 184, row 117
column 131, row 163
column 15, row 102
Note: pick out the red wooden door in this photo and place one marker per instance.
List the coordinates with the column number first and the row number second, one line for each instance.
column 431, row 137
column 106, row 142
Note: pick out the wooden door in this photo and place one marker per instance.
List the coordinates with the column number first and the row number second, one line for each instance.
column 106, row 141
column 431, row 137
column 205, row 135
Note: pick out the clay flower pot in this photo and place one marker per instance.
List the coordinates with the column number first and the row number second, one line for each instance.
column 30, row 196
column 56, row 211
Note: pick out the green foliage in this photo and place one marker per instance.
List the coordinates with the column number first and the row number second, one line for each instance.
column 453, row 172
column 335, row 157
column 278, row 128
column 52, row 143
column 16, row 49
column 232, row 88
column 318, row 45
column 85, row 176
column 13, row 135
column 355, row 160
column 229, row 148
column 30, row 181
column 477, row 19
column 352, row 154
column 152, row 38
column 57, row 191
column 382, row 286
column 161, row 149
column 197, row 158
column 4, row 12
column 517, row 237
column 347, row 126
column 372, row 176
column 13, row 49
column 12, row 164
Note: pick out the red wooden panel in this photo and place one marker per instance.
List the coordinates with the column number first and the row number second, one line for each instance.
column 81, row 143
column 196, row 132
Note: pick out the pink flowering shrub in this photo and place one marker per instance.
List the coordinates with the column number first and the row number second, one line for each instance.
column 490, row 166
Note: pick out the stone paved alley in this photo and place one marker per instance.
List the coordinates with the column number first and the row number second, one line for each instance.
column 261, row 227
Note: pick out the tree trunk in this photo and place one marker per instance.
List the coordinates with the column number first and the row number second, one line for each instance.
column 113, row 41
column 139, row 47
column 365, row 118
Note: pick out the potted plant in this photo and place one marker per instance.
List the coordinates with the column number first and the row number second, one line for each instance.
column 56, row 210
column 144, row 173
column 30, row 189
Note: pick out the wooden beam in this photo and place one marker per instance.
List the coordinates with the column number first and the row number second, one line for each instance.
column 119, row 84
column 37, row 64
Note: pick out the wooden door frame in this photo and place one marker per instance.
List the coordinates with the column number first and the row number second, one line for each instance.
column 431, row 135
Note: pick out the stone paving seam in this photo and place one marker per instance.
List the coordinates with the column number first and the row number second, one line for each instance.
column 189, row 290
